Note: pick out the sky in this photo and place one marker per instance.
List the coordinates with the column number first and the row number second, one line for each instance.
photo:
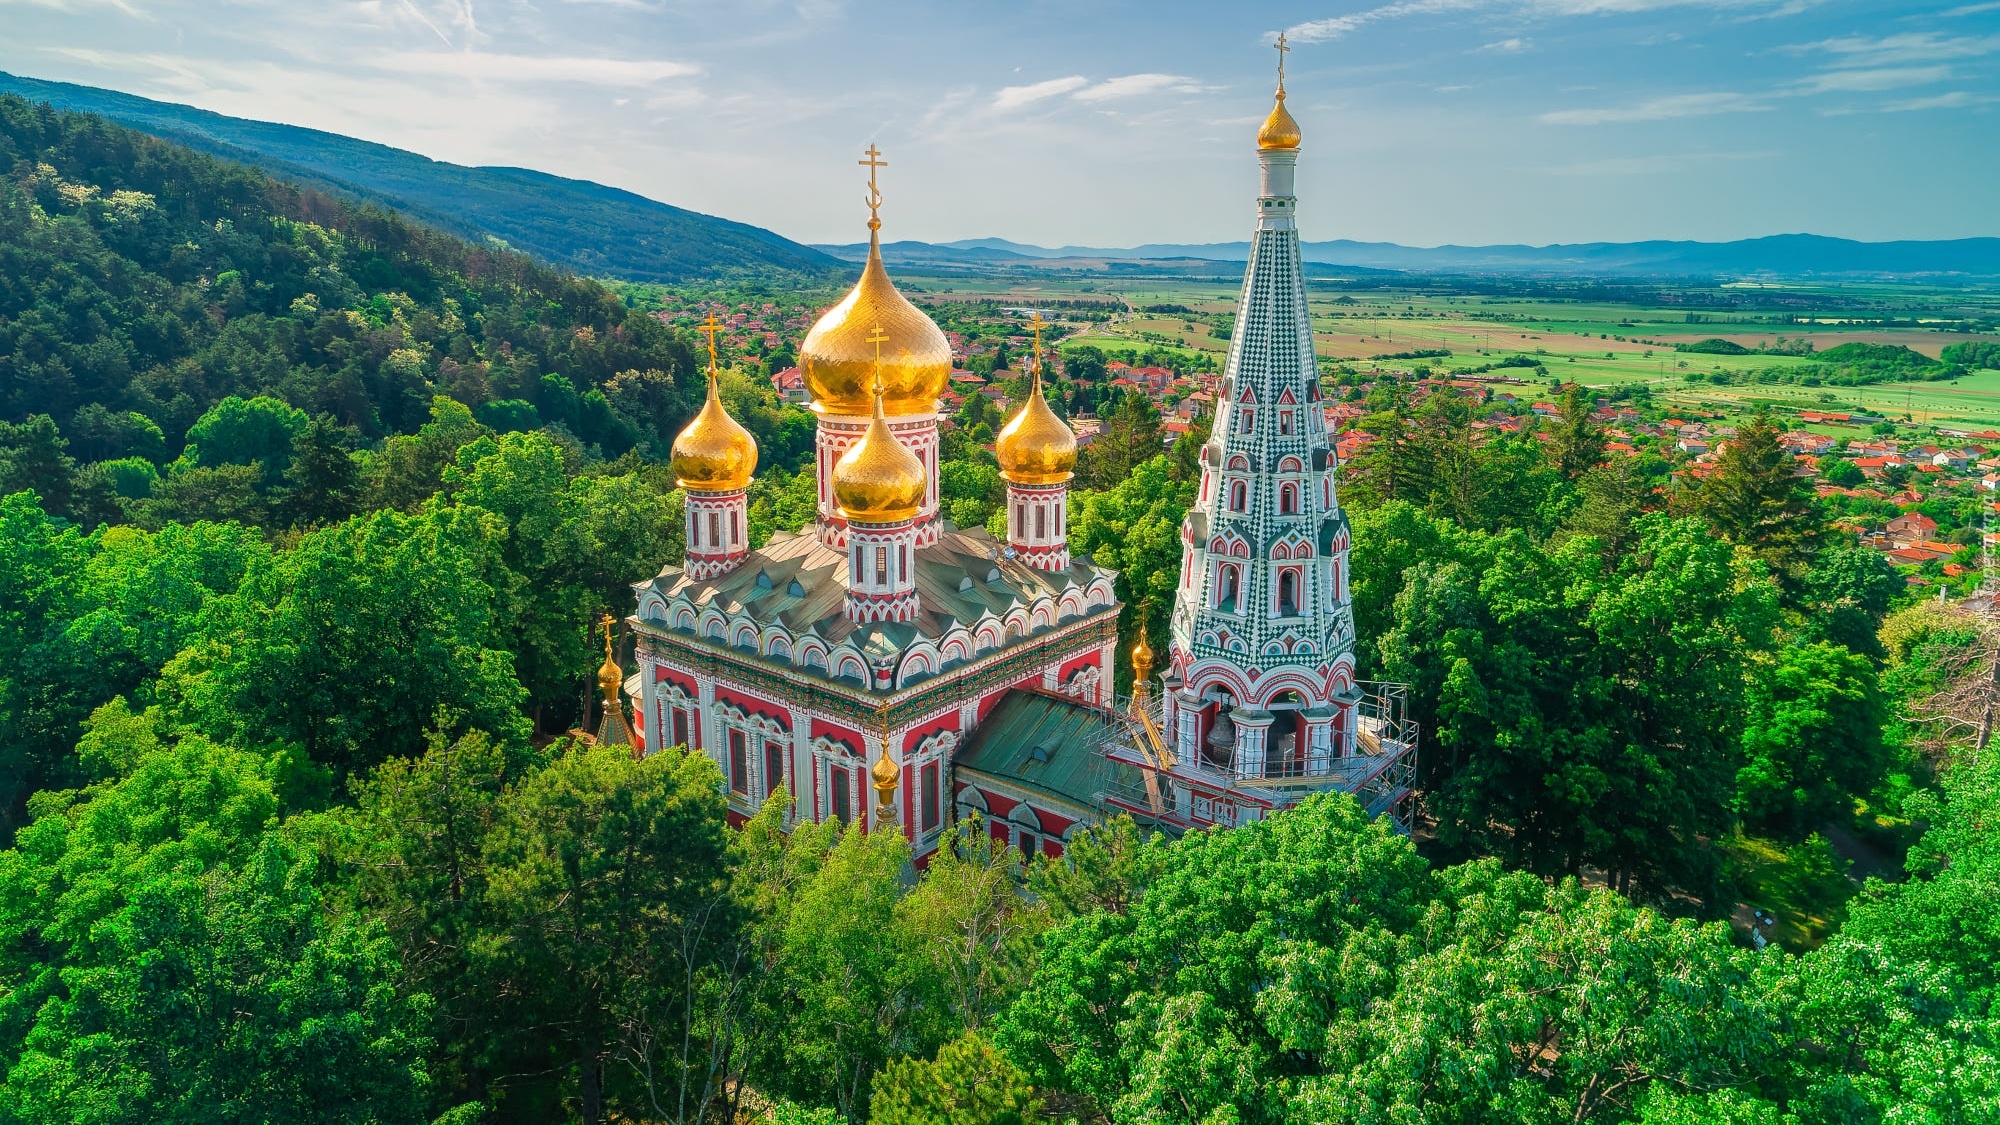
column 1113, row 123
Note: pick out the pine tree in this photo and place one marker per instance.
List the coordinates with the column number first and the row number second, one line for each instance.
column 1754, row 500
column 33, row 458
column 322, row 481
column 1579, row 440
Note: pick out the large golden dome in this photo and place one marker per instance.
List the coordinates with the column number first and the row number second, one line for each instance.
column 1035, row 447
column 714, row 453
column 1279, row 131
column 839, row 362
column 878, row 480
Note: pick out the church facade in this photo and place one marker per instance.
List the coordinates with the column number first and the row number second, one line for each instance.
column 889, row 669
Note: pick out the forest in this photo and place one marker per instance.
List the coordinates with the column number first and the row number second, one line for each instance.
column 294, row 627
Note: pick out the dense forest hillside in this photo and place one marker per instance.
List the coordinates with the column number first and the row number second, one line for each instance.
column 583, row 226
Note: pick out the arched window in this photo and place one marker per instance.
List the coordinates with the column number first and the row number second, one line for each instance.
column 1225, row 591
column 1288, row 593
column 694, row 529
column 1284, row 421
column 1288, row 499
column 902, row 562
column 714, row 530
column 1020, row 520
column 1238, row 496
column 735, row 533
column 881, row 567
column 1041, row 522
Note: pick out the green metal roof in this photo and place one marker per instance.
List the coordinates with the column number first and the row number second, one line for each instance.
column 1041, row 743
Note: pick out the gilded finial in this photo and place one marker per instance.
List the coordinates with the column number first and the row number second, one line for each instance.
column 610, row 677
column 1280, row 131
column 874, row 198
column 878, row 337
column 1283, row 49
column 1035, row 359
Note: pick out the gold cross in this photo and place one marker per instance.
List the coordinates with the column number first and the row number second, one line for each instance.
column 710, row 327
column 874, row 199
column 1282, row 49
column 1035, row 322
column 877, row 338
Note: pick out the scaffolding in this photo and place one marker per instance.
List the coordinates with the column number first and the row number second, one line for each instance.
column 1149, row 781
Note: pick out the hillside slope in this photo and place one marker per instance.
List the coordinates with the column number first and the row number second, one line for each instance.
column 584, row 226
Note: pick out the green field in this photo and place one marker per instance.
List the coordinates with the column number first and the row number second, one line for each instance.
column 1596, row 338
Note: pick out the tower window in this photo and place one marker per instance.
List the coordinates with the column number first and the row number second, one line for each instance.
column 1284, row 421
column 1246, row 420
column 1238, row 496
column 842, row 802
column 1288, row 500
column 714, row 531
column 881, row 566
column 1288, row 593
column 739, row 763
column 1020, row 520
column 902, row 562
column 1041, row 522
column 680, row 727
column 933, row 805
column 1225, row 588
column 735, row 533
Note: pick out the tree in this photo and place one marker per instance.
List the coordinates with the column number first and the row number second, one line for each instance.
column 236, row 431
column 1135, row 527
column 169, row 940
column 970, row 1083
column 1812, row 739
column 322, row 481
column 33, row 459
column 192, row 493
column 599, row 867
column 1754, row 500
column 348, row 644
column 1847, row 593
column 1131, row 437
column 1577, row 440
column 969, row 932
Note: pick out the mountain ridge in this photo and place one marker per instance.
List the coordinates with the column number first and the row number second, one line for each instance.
column 578, row 224
column 1782, row 255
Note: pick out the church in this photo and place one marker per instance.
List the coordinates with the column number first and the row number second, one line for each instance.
column 890, row 669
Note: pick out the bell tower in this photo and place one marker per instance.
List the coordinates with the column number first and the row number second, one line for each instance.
column 1260, row 681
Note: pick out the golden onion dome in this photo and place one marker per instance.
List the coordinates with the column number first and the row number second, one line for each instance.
column 714, row 453
column 1280, row 131
column 839, row 361
column 878, row 480
column 610, row 677
column 1035, row 447
column 1142, row 657
column 885, row 773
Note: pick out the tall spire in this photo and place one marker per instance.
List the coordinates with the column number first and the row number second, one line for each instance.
column 1263, row 636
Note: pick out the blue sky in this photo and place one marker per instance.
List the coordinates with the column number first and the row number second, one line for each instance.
column 1114, row 123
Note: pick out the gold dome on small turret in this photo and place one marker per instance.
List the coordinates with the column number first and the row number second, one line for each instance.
column 1142, row 655
column 839, row 360
column 610, row 677
column 714, row 453
column 878, row 480
column 1280, row 131
column 1035, row 447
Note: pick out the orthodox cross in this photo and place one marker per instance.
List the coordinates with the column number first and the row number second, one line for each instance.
column 876, row 338
column 1035, row 322
column 710, row 328
column 1282, row 48
column 874, row 199
column 607, row 622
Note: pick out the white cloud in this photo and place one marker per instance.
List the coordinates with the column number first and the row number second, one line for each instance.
column 1134, row 85
column 1870, row 81
column 1955, row 100
column 1014, row 97
column 1659, row 109
column 1334, row 27
column 1509, row 46
column 534, row 68
column 1972, row 10
column 1910, row 47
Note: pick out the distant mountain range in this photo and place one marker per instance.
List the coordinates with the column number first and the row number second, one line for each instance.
column 1785, row 255
column 587, row 227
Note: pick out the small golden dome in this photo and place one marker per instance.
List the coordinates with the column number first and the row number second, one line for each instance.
column 610, row 677
column 714, row 453
column 885, row 774
column 1279, row 131
column 878, row 480
column 839, row 361
column 1142, row 657
column 1035, row 447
